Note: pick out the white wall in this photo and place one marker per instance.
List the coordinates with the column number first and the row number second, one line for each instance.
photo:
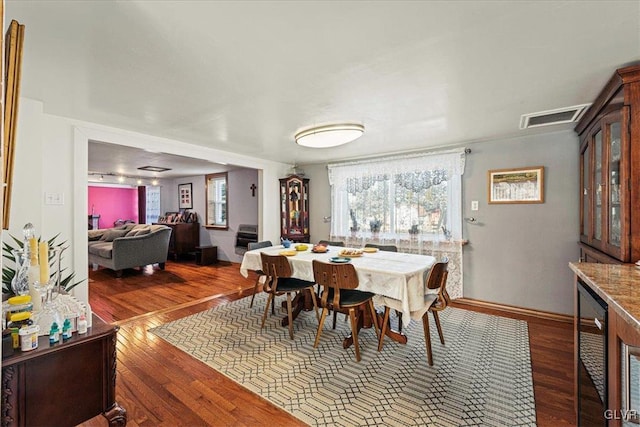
column 517, row 254
column 52, row 156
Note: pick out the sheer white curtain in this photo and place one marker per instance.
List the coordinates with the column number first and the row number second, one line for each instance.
column 415, row 199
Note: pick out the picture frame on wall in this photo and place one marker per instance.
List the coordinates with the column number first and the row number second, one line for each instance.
column 518, row 185
column 185, row 196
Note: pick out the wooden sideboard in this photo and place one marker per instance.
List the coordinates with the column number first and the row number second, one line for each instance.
column 185, row 236
column 63, row 384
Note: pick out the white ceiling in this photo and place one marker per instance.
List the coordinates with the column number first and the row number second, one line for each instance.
column 244, row 76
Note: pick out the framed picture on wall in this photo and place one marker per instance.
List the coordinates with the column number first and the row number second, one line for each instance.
column 521, row 185
column 185, row 200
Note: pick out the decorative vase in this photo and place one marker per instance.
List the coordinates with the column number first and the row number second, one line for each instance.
column 20, row 281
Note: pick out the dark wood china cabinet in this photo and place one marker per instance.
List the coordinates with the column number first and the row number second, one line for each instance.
column 610, row 172
column 294, row 208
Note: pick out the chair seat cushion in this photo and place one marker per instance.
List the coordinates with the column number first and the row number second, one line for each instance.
column 350, row 297
column 286, row 284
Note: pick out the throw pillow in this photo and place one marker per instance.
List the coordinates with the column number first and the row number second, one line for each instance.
column 137, row 232
column 143, row 231
column 111, row 235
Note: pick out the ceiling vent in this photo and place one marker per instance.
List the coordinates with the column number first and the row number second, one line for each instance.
column 553, row 117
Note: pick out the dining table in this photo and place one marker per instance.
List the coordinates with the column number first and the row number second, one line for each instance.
column 395, row 278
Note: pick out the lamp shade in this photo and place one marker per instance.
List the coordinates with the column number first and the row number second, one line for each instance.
column 329, row 135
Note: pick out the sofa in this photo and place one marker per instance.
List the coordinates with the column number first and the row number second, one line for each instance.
column 129, row 246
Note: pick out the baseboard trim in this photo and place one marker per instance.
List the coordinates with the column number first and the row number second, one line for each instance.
column 511, row 310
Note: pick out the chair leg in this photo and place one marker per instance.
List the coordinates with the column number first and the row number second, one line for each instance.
column 255, row 288
column 266, row 309
column 290, row 315
column 437, row 317
column 335, row 315
column 354, row 332
column 399, row 313
column 374, row 318
column 427, row 337
column 273, row 306
column 325, row 311
column 383, row 329
column 315, row 303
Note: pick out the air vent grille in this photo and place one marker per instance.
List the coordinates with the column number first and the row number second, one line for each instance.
column 553, row 117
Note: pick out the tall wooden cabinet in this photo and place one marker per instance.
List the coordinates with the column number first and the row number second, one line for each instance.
column 610, row 171
column 294, row 208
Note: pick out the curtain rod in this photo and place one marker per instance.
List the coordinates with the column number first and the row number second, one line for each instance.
column 399, row 156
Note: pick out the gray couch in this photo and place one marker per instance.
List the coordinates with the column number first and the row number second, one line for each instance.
column 128, row 246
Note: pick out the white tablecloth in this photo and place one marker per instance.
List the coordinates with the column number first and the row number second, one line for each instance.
column 396, row 278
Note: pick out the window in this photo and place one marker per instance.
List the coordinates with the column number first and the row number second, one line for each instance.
column 217, row 212
column 152, row 203
column 398, row 197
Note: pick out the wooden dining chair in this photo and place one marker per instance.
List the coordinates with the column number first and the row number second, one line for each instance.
column 258, row 245
column 279, row 282
column 339, row 294
column 330, row 243
column 435, row 301
column 385, row 248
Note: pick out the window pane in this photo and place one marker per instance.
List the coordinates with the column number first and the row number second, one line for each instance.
column 216, row 200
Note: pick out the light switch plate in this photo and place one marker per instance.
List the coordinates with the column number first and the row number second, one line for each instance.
column 474, row 205
column 54, row 198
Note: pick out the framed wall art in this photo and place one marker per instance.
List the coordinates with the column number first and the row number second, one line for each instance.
column 521, row 185
column 185, row 196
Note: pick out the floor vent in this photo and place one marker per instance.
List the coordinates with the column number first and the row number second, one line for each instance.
column 553, row 117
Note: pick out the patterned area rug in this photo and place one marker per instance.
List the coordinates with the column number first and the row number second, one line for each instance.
column 481, row 376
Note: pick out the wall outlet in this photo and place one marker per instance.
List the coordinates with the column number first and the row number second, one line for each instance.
column 474, row 205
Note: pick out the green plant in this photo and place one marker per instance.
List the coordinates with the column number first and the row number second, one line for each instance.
column 9, row 270
column 375, row 225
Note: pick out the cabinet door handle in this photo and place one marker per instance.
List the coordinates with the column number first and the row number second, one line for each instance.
column 627, row 379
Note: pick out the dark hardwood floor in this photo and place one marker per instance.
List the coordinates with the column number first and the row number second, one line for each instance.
column 160, row 385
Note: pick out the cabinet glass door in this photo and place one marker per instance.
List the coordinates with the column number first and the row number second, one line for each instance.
column 615, row 213
column 585, row 227
column 598, row 187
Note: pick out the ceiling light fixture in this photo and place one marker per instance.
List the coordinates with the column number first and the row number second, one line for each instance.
column 154, row 168
column 329, row 135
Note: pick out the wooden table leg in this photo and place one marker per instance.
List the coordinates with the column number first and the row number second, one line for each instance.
column 364, row 320
column 298, row 304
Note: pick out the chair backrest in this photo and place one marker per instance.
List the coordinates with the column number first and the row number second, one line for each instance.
column 437, row 279
column 330, row 243
column 385, row 248
column 275, row 266
column 336, row 276
column 258, row 245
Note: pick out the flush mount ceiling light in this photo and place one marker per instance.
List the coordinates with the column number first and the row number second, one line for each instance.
column 329, row 135
column 154, row 169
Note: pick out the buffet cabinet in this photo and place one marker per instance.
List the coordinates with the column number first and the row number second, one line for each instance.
column 294, row 208
column 185, row 236
column 610, row 171
column 63, row 384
